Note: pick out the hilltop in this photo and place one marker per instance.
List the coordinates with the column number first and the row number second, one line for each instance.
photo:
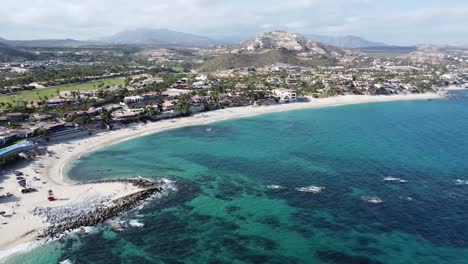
column 289, row 41
column 274, row 47
column 426, row 54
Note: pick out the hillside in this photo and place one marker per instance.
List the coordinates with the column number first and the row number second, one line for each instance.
column 43, row 42
column 289, row 41
column 244, row 60
column 426, row 54
column 346, row 42
column 8, row 53
column 272, row 48
column 158, row 36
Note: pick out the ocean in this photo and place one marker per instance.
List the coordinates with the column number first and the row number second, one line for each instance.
column 222, row 210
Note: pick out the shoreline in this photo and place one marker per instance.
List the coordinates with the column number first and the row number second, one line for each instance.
column 108, row 138
column 51, row 167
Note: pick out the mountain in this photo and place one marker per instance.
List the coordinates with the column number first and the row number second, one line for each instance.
column 289, row 41
column 159, row 36
column 259, row 59
column 43, row 42
column 8, row 53
column 273, row 48
column 427, row 54
column 346, row 42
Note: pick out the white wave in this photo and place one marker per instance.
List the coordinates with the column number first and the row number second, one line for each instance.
column 135, row 223
column 311, row 189
column 168, row 186
column 393, row 179
column 67, row 261
column 461, row 182
column 276, row 187
column 372, row 199
column 19, row 248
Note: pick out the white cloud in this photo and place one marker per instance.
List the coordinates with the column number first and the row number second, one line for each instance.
column 296, row 25
column 383, row 20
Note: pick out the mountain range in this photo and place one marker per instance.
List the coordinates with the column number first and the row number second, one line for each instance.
column 44, row 42
column 345, row 42
column 8, row 53
column 170, row 37
column 158, row 36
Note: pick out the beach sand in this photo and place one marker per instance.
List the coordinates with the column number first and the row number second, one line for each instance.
column 455, row 88
column 22, row 226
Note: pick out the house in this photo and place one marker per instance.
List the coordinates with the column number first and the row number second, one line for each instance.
column 201, row 85
column 16, row 117
column 127, row 115
column 170, row 105
column 202, row 78
column 133, row 99
column 285, row 95
column 56, row 102
column 7, row 136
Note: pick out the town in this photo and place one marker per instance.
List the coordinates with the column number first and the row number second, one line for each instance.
column 57, row 98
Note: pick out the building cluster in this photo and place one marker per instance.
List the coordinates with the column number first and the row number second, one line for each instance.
column 151, row 97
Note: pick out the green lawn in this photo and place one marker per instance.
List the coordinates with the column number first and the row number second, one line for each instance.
column 51, row 92
column 178, row 69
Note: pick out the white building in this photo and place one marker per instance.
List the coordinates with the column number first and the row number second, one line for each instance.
column 133, row 99
column 201, row 85
column 56, row 102
column 285, row 95
column 202, row 78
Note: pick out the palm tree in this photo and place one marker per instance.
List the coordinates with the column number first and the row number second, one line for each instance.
column 184, row 105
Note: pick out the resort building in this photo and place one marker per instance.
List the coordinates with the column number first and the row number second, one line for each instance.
column 133, row 99
column 285, row 95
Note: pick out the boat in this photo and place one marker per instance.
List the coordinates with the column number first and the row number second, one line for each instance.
column 311, row 189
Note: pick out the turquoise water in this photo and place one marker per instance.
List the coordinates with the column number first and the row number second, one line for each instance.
column 222, row 211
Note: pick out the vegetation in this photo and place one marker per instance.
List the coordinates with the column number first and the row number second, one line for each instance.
column 259, row 59
column 50, row 92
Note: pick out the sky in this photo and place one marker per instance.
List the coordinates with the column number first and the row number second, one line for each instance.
column 399, row 22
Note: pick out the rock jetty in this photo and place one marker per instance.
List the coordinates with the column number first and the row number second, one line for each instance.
column 101, row 211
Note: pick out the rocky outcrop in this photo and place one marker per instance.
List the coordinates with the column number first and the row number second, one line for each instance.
column 426, row 54
column 289, row 41
column 138, row 182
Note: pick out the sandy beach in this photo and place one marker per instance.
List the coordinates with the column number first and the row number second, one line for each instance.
column 455, row 88
column 20, row 225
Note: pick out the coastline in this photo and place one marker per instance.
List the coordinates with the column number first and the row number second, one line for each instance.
column 455, row 88
column 67, row 151
column 112, row 137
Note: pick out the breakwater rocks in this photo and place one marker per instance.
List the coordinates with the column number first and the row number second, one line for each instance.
column 138, row 182
column 99, row 212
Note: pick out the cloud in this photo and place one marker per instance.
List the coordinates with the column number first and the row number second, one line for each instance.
column 398, row 21
column 296, row 25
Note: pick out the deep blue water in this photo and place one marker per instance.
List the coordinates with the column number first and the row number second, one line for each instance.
column 222, row 211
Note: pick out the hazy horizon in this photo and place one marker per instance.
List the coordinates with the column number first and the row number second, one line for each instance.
column 392, row 22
